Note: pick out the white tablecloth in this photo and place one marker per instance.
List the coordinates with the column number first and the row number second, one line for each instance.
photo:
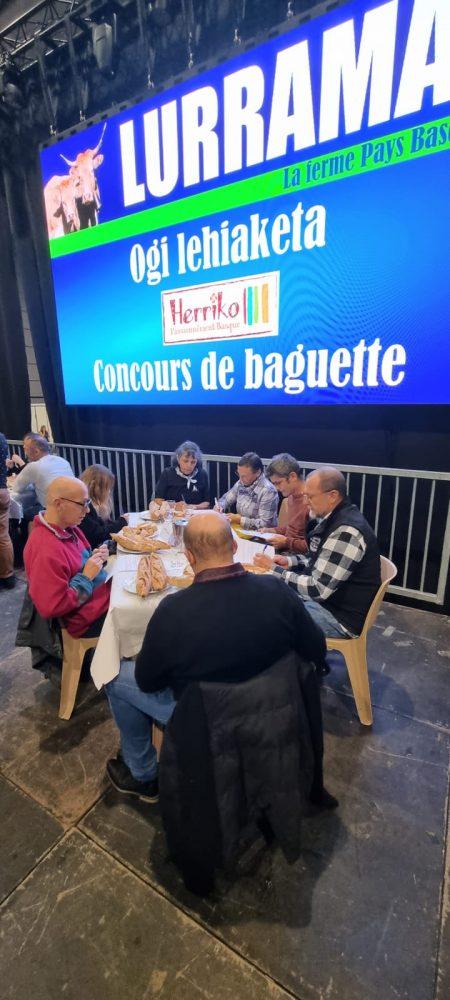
column 128, row 616
column 15, row 507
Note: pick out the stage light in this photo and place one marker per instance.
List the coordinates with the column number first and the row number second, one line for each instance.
column 161, row 13
column 11, row 93
column 104, row 45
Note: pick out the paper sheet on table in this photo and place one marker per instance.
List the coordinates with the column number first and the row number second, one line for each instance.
column 175, row 563
column 246, row 551
column 109, row 568
column 127, row 562
column 255, row 533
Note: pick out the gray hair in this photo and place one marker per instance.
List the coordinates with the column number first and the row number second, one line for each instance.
column 187, row 448
column 282, row 465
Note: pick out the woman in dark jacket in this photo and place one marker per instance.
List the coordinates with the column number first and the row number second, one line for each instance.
column 97, row 525
column 185, row 479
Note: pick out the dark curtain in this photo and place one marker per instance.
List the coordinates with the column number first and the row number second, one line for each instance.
column 15, row 412
column 25, row 202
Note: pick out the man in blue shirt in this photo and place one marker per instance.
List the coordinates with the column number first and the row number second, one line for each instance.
column 33, row 481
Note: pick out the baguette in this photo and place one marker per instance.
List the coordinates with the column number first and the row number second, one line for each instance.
column 144, row 577
column 158, row 572
column 159, row 510
column 140, row 543
column 151, row 575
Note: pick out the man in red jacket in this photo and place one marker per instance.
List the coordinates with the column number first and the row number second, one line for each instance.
column 66, row 579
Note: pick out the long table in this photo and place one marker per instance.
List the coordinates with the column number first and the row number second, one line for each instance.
column 128, row 615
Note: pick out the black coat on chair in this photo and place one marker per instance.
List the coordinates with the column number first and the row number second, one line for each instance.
column 237, row 755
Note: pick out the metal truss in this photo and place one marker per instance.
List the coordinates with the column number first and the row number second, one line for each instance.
column 42, row 21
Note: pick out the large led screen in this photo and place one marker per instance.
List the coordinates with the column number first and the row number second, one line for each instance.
column 274, row 230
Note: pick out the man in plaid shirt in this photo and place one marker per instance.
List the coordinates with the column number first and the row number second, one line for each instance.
column 340, row 576
column 253, row 496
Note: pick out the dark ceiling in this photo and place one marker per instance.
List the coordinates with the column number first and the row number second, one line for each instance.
column 54, row 73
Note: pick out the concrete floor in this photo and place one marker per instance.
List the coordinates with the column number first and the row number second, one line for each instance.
column 93, row 910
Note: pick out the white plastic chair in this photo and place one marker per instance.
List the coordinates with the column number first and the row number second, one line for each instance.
column 354, row 650
column 73, row 656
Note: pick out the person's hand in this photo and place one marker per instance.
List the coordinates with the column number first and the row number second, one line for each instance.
column 16, row 460
column 126, row 517
column 102, row 550
column 278, row 541
column 93, row 565
column 282, row 561
column 265, row 562
column 9, row 463
column 234, row 518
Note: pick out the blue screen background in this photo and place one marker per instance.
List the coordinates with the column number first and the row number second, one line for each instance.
column 383, row 272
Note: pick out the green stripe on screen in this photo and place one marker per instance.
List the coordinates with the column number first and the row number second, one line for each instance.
column 247, row 192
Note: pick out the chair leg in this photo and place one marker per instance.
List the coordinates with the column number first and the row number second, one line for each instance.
column 157, row 738
column 69, row 681
column 356, row 662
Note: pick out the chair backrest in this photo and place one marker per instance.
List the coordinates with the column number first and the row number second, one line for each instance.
column 388, row 572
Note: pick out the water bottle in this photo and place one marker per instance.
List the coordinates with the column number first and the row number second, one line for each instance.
column 178, row 531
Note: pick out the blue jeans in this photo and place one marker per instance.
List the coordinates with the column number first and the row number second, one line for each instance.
column 133, row 711
column 325, row 620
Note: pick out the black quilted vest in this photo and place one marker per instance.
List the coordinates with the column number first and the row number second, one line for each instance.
column 351, row 601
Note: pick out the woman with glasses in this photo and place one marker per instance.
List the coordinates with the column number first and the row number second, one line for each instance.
column 97, row 524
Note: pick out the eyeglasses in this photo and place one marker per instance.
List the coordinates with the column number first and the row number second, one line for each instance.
column 79, row 503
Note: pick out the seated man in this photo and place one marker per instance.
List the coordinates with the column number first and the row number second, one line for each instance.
column 340, row 576
column 228, row 626
column 66, row 579
column 42, row 468
column 253, row 497
column 285, row 473
column 16, row 462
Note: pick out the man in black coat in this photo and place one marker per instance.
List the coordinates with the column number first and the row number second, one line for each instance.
column 228, row 627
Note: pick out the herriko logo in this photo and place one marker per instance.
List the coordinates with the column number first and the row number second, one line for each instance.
column 222, row 310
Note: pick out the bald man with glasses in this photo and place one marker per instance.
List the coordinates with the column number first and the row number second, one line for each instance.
column 66, row 580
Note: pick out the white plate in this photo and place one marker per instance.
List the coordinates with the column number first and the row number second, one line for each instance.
column 130, row 586
column 146, row 516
